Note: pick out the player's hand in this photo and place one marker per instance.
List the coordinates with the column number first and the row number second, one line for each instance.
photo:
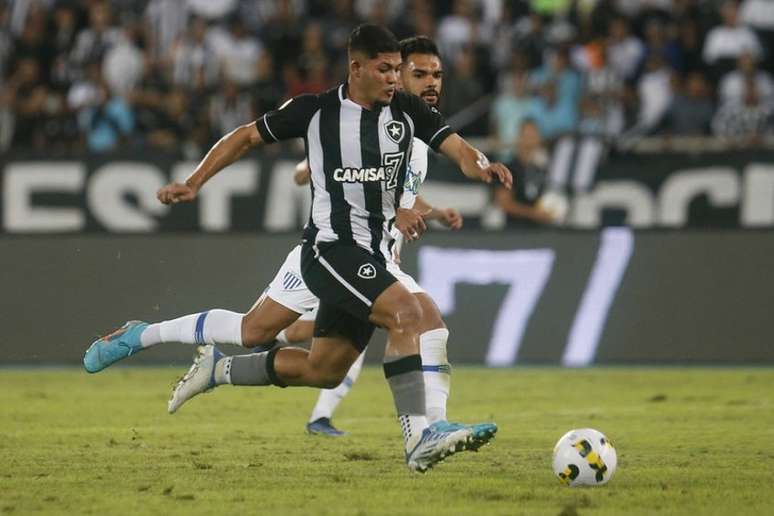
column 410, row 223
column 451, row 218
column 499, row 171
column 175, row 193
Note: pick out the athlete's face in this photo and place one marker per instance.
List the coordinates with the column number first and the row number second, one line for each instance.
column 376, row 79
column 422, row 75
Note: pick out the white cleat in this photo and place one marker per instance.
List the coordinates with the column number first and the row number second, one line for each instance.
column 199, row 378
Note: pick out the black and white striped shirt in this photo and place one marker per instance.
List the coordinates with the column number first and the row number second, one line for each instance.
column 357, row 157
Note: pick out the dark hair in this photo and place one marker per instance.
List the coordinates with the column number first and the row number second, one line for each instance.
column 418, row 45
column 372, row 40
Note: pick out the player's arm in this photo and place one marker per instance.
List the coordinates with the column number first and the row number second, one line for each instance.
column 226, row 151
column 449, row 217
column 289, row 121
column 473, row 163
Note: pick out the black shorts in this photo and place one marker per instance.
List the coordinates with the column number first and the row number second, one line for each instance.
column 347, row 279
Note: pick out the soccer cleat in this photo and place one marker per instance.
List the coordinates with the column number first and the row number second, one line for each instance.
column 323, row 426
column 199, row 378
column 438, row 441
column 115, row 346
column 482, row 434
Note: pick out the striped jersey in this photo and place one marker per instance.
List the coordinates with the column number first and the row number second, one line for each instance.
column 357, row 158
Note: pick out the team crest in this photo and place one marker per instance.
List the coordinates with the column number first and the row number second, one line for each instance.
column 395, row 130
column 366, row 271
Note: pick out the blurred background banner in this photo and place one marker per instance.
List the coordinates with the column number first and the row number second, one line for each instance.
column 556, row 297
column 117, row 194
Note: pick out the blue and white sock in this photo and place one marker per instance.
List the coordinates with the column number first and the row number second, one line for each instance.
column 212, row 327
column 437, row 373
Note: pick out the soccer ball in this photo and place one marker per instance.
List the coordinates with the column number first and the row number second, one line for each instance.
column 584, row 457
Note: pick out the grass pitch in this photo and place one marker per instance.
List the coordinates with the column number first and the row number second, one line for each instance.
column 689, row 441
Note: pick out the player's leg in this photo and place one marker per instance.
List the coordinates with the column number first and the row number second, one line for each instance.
column 435, row 364
column 324, row 366
column 286, row 298
column 329, row 399
column 432, row 347
column 356, row 283
column 300, row 331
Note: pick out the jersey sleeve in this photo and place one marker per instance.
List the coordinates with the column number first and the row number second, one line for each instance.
column 429, row 124
column 290, row 120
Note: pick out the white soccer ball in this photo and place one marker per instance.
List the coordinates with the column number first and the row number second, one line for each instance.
column 584, row 457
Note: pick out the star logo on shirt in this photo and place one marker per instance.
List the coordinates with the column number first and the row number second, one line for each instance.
column 395, row 130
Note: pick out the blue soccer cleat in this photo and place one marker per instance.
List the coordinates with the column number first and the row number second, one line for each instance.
column 199, row 378
column 437, row 442
column 323, row 426
column 115, row 346
column 482, row 434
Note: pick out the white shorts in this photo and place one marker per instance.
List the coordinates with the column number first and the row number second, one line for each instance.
column 288, row 287
column 406, row 280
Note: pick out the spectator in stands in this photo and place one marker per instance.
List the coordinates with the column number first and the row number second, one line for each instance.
column 745, row 123
column 122, row 65
column 759, row 14
column 62, row 31
column 229, row 108
column 511, row 107
column 455, row 32
column 195, row 64
column 462, row 88
column 105, row 120
column 559, row 86
column 238, row 52
column 268, row 90
column 655, row 94
column 166, row 22
column 25, row 100
column 625, row 52
column 529, row 39
column 732, row 86
column 282, row 36
column 689, row 44
column 94, row 41
column 521, row 204
column 692, row 110
column 726, row 42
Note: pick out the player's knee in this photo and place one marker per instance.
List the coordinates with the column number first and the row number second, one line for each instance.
column 406, row 315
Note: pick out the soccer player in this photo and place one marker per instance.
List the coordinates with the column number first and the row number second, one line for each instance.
column 357, row 136
column 421, row 75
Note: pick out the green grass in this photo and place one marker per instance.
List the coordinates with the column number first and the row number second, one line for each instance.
column 689, row 441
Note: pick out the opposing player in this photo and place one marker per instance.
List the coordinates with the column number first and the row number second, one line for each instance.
column 357, row 136
column 421, row 75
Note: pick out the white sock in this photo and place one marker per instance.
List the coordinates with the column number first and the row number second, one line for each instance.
column 436, row 371
column 412, row 427
column 329, row 399
column 212, row 327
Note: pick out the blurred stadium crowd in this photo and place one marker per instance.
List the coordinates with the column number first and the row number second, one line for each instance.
column 175, row 75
